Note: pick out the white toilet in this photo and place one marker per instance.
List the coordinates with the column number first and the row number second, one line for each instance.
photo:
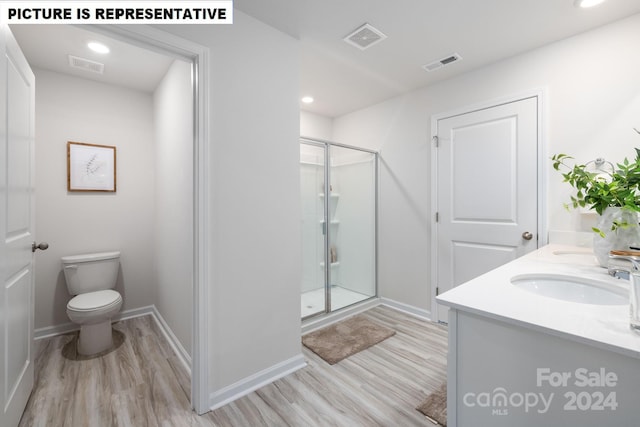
column 91, row 278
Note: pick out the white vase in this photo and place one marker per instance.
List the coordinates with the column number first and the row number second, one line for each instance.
column 623, row 237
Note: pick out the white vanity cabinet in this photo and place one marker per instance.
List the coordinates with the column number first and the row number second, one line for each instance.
column 521, row 359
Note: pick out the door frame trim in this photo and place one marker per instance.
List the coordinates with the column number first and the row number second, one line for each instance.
column 541, row 99
column 169, row 44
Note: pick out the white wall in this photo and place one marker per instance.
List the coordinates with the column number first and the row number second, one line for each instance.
column 75, row 109
column 316, row 126
column 255, row 197
column 592, row 105
column 173, row 225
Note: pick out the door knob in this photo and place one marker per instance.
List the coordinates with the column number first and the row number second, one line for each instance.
column 527, row 235
column 42, row 246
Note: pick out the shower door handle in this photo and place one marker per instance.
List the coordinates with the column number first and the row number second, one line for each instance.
column 324, row 228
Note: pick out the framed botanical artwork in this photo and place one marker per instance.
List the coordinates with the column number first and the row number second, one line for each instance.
column 91, row 167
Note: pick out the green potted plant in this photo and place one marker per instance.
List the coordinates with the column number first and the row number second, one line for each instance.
column 614, row 193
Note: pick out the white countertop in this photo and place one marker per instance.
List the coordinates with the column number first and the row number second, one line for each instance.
column 493, row 295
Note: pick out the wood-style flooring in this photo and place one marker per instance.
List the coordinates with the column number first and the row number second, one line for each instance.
column 141, row 383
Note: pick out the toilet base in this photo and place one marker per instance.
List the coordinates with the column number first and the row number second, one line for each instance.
column 95, row 338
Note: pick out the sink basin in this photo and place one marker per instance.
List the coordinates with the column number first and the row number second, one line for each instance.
column 572, row 289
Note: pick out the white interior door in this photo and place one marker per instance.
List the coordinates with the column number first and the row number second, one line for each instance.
column 17, row 95
column 486, row 191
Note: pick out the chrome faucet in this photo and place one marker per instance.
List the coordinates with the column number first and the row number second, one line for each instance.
column 634, row 281
column 621, row 263
column 619, row 272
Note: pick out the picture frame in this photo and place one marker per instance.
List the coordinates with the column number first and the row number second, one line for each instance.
column 91, row 167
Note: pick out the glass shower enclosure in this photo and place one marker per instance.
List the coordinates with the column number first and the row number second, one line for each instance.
column 338, row 186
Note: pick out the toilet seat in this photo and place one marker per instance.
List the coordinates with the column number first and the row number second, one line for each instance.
column 94, row 301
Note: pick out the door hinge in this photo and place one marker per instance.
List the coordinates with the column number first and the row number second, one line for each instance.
column 437, row 216
column 437, row 291
column 435, row 140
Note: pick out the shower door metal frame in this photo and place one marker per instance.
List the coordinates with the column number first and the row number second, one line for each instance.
column 326, row 145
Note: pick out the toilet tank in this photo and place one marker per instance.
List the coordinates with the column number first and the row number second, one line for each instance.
column 91, row 272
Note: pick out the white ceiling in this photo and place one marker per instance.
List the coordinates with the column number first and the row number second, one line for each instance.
column 340, row 77
column 48, row 47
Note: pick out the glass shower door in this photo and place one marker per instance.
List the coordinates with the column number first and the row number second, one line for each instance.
column 312, row 190
column 352, row 240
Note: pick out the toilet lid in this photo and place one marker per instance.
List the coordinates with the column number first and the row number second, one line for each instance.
column 93, row 300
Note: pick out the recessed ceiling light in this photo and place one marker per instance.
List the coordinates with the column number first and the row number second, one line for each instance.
column 98, row 47
column 587, row 3
column 307, row 99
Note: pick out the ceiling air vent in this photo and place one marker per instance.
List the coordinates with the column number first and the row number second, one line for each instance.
column 86, row 64
column 365, row 37
column 442, row 62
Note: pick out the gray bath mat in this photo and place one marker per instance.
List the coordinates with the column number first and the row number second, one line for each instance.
column 435, row 406
column 337, row 342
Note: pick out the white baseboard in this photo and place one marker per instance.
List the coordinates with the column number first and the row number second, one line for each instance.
column 134, row 312
column 313, row 324
column 406, row 308
column 149, row 310
column 174, row 342
column 52, row 331
column 252, row 383
column 65, row 328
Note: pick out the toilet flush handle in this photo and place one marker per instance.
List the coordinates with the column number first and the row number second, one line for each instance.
column 70, row 266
